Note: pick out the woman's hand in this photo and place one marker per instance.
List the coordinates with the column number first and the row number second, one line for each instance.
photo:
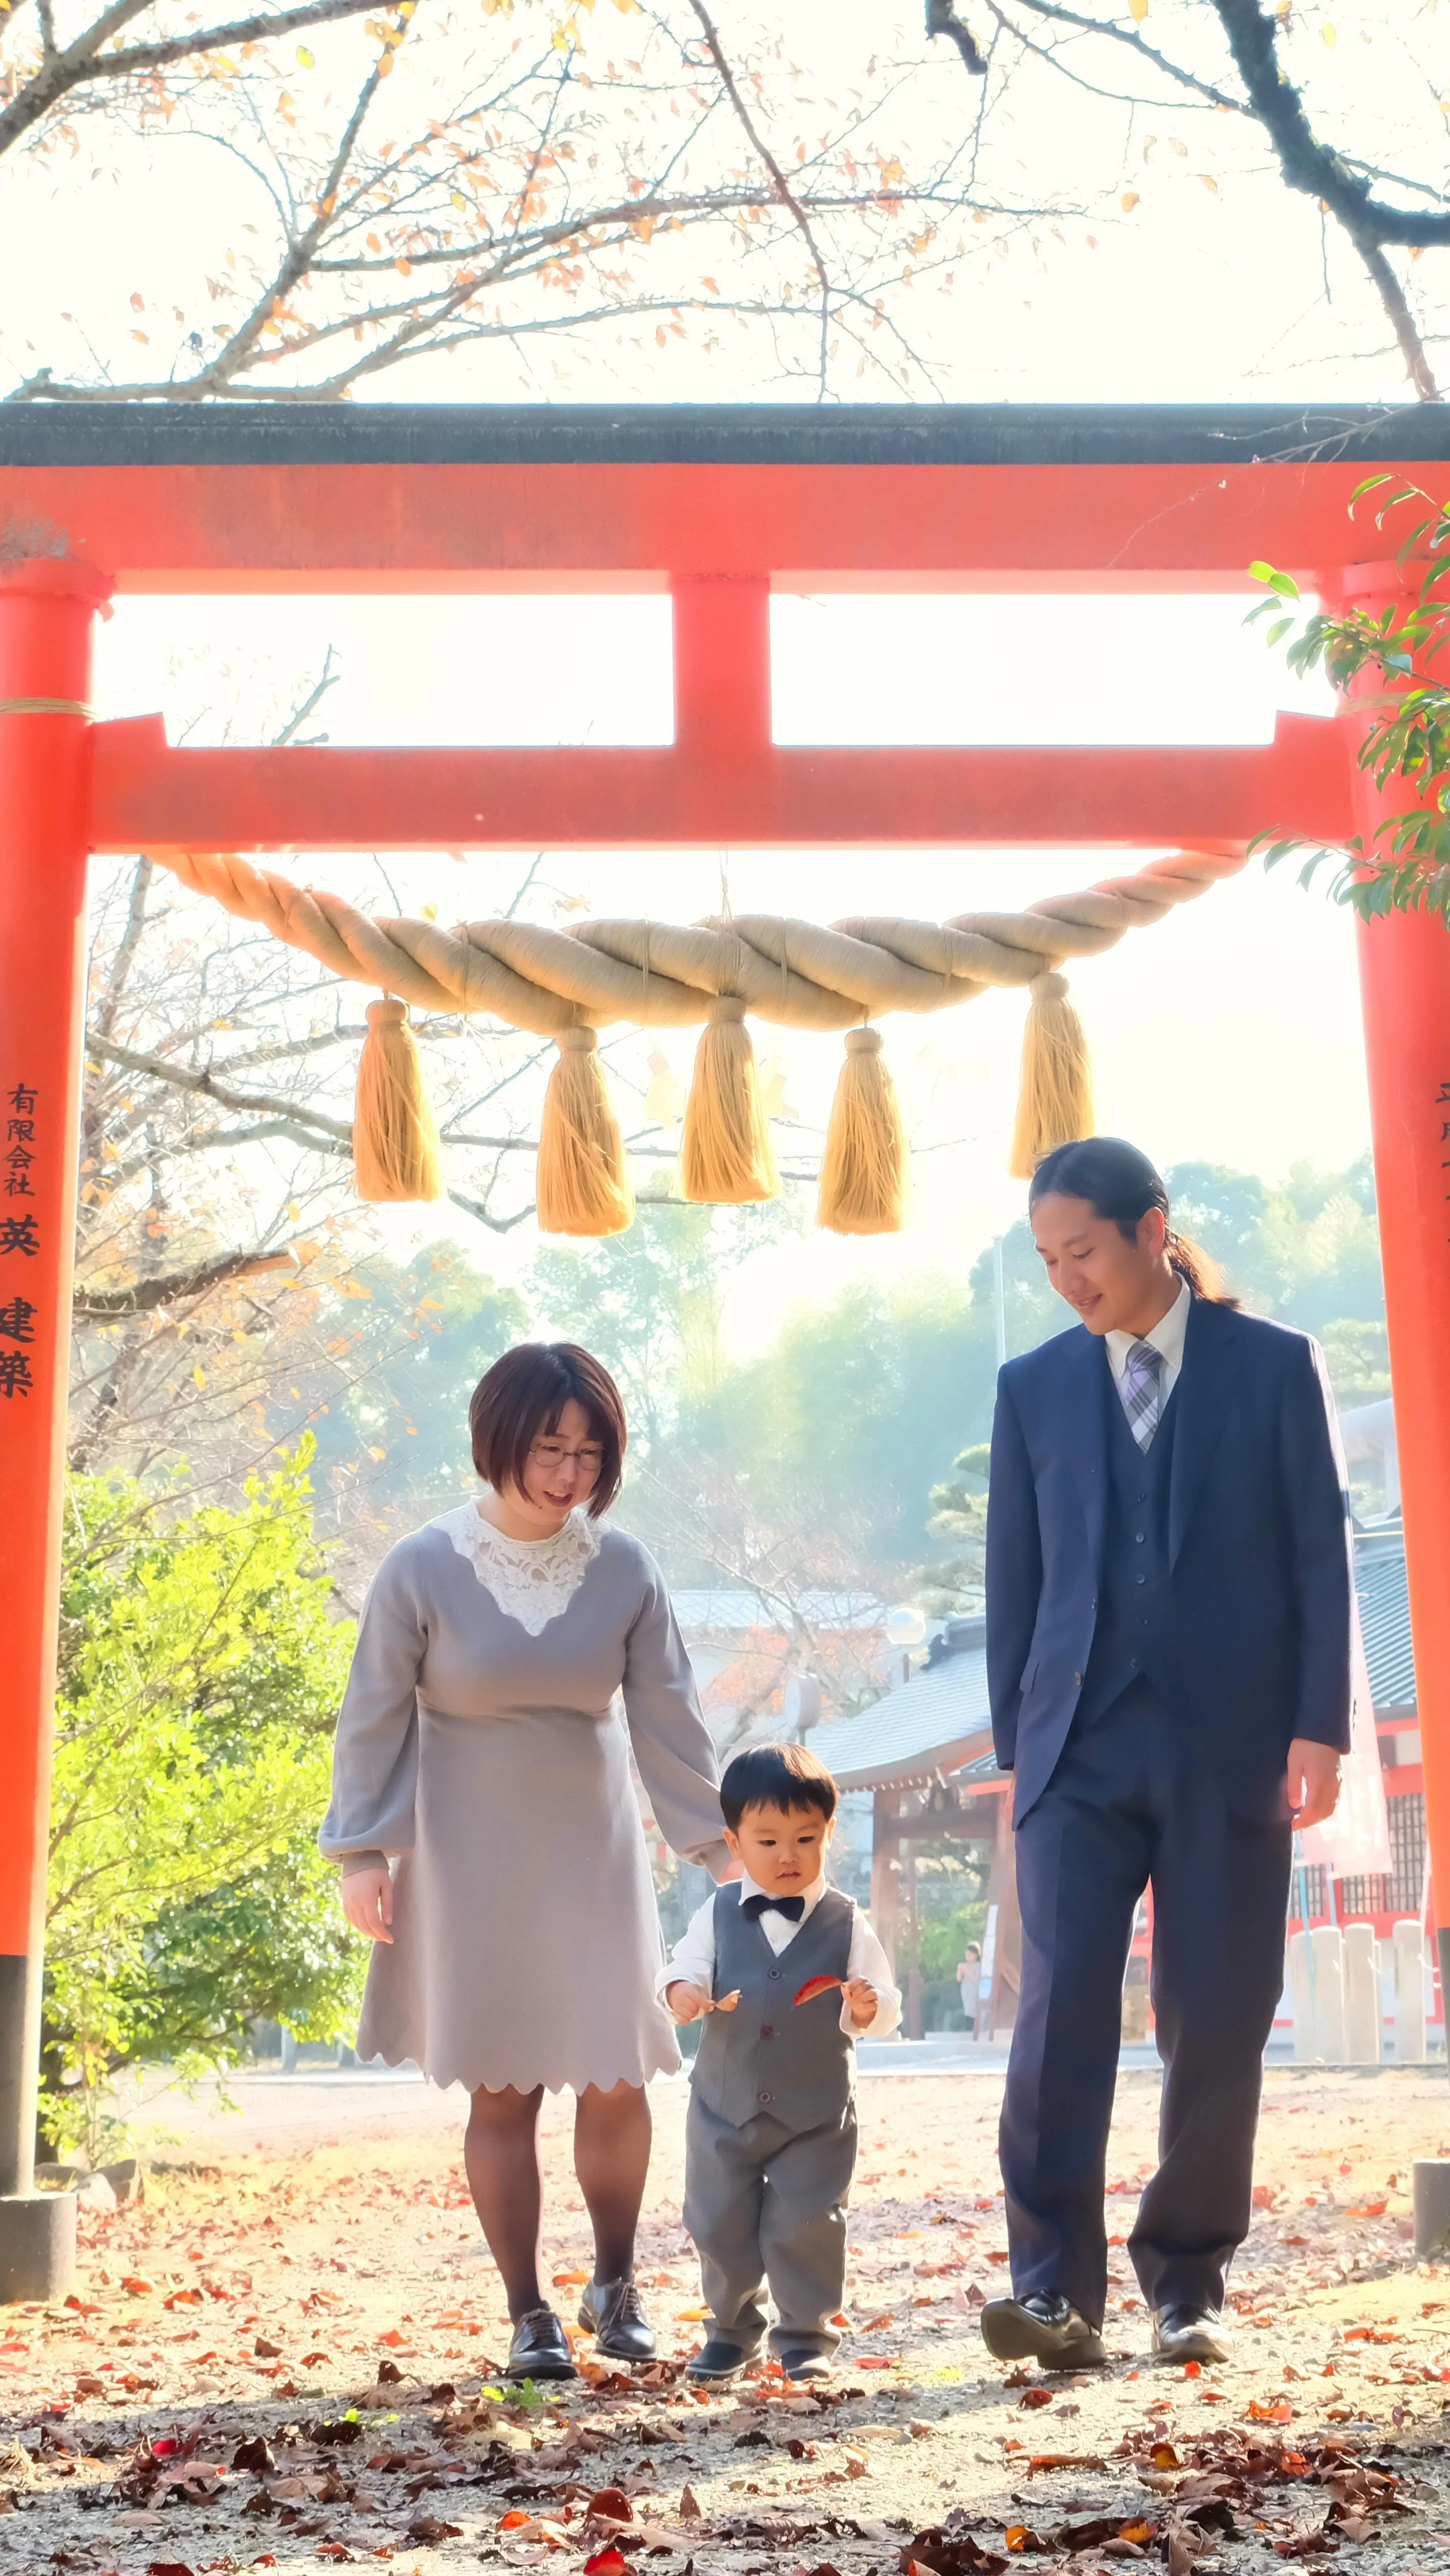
column 367, row 1901
column 688, row 2002
column 861, row 2002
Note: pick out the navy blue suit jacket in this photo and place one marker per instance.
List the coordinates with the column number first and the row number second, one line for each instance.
column 1261, row 1583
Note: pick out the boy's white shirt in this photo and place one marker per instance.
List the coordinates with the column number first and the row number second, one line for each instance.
column 692, row 1960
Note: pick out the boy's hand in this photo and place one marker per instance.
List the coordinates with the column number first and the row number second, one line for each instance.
column 367, row 1901
column 688, row 2002
column 861, row 2002
column 685, row 2001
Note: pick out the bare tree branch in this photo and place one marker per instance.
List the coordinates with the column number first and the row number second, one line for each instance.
column 169, row 1288
column 1308, row 166
column 942, row 20
column 86, row 59
column 779, row 181
column 205, row 1082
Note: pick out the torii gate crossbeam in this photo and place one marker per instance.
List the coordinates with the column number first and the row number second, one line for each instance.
column 718, row 507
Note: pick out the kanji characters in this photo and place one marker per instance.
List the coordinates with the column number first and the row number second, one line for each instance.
column 18, row 1234
column 15, row 1377
column 22, row 1098
column 17, row 1320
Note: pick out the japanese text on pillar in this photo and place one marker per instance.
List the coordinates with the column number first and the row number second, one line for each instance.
column 19, row 1239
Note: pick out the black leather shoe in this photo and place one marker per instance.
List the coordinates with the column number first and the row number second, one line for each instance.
column 718, row 2360
column 802, row 2361
column 540, row 2348
column 1041, row 2328
column 613, row 2312
column 1190, row 2334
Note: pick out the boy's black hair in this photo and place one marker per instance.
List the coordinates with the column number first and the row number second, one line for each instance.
column 776, row 1775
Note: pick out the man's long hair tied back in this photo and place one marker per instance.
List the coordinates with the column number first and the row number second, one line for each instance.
column 1121, row 1185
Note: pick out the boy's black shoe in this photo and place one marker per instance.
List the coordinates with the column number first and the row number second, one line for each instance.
column 718, row 2360
column 801, row 2362
column 540, row 2348
column 613, row 2312
column 1041, row 2328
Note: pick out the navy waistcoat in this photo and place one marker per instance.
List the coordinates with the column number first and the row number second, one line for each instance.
column 1130, row 1637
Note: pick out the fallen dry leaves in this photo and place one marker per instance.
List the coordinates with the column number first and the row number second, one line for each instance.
column 286, row 2357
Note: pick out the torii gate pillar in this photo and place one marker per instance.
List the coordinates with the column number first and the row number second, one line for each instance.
column 46, row 617
column 1404, row 967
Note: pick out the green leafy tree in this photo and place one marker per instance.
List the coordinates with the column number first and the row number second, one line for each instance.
column 959, row 1513
column 1032, row 1310
column 1388, row 660
column 649, row 1302
column 1305, row 1250
column 857, row 1408
column 395, row 1432
column 200, row 1669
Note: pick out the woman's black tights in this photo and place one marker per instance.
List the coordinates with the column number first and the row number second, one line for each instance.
column 612, row 2133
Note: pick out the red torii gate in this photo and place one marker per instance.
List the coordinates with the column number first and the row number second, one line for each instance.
column 718, row 507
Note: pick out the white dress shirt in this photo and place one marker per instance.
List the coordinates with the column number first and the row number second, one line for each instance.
column 693, row 1958
column 1166, row 1338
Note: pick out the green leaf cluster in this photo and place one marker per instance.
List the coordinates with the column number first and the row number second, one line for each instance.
column 200, row 1671
column 1385, row 661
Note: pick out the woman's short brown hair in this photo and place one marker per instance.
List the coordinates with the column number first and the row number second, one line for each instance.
column 520, row 1400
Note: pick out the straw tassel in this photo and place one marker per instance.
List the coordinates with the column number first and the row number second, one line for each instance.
column 395, row 1152
column 1055, row 1104
column 582, row 1185
column 725, row 1154
column 863, row 1175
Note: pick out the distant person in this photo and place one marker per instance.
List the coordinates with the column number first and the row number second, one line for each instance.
column 478, row 1750
column 969, row 1978
column 770, row 2135
column 1169, row 1606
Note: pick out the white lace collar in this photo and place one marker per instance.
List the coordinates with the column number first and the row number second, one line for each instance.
column 531, row 1579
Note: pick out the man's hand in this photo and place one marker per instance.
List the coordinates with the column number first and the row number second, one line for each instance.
column 1313, row 1781
column 861, row 2001
column 688, row 2002
column 367, row 1901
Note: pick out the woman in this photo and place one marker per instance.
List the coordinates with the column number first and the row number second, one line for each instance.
column 517, row 1939
column 969, row 1978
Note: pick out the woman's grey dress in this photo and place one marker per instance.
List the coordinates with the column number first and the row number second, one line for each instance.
column 479, row 1746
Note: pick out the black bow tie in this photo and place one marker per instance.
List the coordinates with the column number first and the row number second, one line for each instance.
column 792, row 1907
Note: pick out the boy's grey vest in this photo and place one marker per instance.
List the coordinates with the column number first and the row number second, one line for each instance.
column 1131, row 1638
column 793, row 2062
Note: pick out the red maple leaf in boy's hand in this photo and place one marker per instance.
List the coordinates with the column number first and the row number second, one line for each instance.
column 817, row 1986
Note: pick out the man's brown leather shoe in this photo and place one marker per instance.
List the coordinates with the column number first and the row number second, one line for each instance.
column 1041, row 2328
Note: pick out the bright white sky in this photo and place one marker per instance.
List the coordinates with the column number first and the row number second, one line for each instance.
column 1166, row 261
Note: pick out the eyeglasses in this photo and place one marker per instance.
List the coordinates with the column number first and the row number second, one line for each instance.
column 552, row 1454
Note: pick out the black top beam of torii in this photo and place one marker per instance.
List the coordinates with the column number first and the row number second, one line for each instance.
column 105, row 433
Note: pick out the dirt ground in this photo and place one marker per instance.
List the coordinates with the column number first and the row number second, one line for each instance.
column 281, row 2359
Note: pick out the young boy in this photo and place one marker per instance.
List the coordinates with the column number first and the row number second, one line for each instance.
column 770, row 2140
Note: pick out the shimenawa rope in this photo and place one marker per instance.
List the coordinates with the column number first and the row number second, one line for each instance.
column 566, row 984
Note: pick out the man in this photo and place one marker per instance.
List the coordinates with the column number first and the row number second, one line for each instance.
column 1169, row 1610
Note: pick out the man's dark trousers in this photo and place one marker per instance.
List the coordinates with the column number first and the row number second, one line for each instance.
column 1130, row 1803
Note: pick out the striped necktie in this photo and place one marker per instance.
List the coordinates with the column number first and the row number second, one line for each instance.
column 1142, row 1392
